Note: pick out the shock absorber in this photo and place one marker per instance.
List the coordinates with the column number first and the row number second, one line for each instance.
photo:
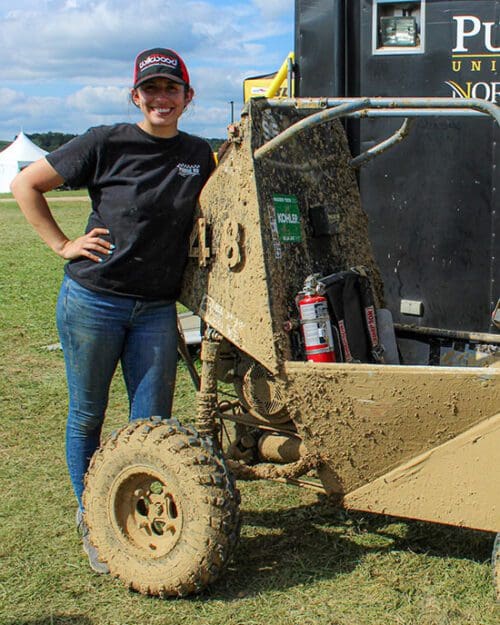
column 315, row 321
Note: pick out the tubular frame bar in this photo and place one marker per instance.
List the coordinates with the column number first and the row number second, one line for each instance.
column 332, row 108
column 313, row 120
column 398, row 136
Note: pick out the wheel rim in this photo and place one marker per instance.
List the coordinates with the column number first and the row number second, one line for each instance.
column 145, row 511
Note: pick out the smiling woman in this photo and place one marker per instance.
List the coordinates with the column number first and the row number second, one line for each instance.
column 161, row 96
column 117, row 301
column 162, row 102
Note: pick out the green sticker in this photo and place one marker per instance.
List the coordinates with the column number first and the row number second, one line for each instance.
column 287, row 212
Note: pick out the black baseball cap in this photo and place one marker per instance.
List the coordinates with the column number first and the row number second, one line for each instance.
column 160, row 63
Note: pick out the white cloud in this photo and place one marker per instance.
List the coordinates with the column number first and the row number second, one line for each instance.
column 274, row 8
column 20, row 111
column 67, row 64
column 96, row 100
column 8, row 98
column 91, row 40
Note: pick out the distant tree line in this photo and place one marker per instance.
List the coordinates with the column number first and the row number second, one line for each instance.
column 51, row 140
column 48, row 141
column 215, row 143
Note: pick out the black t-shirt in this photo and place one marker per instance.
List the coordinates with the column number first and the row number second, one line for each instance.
column 144, row 190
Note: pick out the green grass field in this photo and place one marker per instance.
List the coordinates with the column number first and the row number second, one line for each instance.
column 300, row 561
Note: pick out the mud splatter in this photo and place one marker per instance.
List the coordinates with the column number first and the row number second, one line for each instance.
column 260, row 290
column 368, row 419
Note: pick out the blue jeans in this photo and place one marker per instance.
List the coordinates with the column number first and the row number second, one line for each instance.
column 97, row 332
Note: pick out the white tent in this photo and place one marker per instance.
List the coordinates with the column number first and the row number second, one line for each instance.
column 17, row 155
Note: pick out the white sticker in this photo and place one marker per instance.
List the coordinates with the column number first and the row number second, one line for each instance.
column 223, row 320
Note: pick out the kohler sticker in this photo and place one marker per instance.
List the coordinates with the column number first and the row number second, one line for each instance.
column 286, row 208
column 476, row 51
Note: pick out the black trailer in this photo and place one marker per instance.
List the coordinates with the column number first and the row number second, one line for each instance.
column 433, row 201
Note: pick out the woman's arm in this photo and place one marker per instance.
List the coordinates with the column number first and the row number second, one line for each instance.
column 28, row 188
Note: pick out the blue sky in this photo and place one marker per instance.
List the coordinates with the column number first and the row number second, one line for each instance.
column 67, row 64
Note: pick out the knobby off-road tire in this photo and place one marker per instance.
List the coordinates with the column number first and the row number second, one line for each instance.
column 161, row 508
column 495, row 565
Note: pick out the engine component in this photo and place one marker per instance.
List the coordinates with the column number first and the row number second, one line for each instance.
column 260, row 392
column 280, row 448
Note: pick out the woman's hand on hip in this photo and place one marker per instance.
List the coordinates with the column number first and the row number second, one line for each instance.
column 28, row 188
column 88, row 245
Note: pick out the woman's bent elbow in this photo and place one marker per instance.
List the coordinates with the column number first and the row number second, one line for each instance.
column 16, row 184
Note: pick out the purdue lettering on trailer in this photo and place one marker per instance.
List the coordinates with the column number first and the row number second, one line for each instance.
column 475, row 50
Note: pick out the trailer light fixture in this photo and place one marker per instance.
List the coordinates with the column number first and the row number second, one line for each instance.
column 398, row 31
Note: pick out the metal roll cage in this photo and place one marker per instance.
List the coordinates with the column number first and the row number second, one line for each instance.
column 334, row 108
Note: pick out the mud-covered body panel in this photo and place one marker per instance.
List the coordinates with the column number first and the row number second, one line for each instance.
column 298, row 212
column 454, row 483
column 369, row 421
column 273, row 221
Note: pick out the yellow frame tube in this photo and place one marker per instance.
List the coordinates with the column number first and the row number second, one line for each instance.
column 273, row 88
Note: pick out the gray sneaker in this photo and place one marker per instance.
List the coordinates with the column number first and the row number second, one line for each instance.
column 92, row 554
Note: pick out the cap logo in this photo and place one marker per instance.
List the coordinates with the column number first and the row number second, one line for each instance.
column 159, row 62
column 157, row 59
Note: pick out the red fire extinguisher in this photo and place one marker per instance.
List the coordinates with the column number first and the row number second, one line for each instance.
column 315, row 322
